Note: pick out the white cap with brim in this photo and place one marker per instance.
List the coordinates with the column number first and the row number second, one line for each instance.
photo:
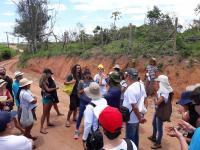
column 18, row 73
column 93, row 91
column 24, row 82
column 116, row 66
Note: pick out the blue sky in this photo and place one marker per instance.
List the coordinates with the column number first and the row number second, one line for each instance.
column 98, row 12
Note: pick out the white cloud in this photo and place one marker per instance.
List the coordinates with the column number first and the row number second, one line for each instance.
column 8, row 14
column 58, row 7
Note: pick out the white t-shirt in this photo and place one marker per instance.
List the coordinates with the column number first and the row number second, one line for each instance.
column 12, row 142
column 123, row 146
column 97, row 79
column 89, row 117
column 26, row 98
column 133, row 95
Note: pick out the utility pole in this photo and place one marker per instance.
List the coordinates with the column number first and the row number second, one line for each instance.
column 7, row 39
column 175, row 33
column 130, row 38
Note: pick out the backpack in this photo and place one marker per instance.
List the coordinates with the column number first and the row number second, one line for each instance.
column 95, row 139
column 164, row 110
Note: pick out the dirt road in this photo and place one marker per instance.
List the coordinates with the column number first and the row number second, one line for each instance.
column 60, row 137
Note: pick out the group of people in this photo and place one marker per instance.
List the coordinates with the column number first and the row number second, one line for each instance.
column 105, row 101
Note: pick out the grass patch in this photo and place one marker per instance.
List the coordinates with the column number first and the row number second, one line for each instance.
column 6, row 53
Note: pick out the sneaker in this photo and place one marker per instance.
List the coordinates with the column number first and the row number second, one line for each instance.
column 156, row 146
column 76, row 134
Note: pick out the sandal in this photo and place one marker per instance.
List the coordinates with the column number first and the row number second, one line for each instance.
column 50, row 125
column 43, row 131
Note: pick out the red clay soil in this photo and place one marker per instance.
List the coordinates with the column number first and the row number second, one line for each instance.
column 60, row 137
column 180, row 73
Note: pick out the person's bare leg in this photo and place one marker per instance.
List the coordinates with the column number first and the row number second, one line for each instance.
column 44, row 116
column 57, row 110
column 48, row 116
column 17, row 125
column 68, row 118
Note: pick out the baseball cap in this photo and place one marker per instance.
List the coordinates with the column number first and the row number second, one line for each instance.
column 100, row 66
column 116, row 66
column 47, row 70
column 185, row 98
column 132, row 72
column 109, row 117
column 5, row 118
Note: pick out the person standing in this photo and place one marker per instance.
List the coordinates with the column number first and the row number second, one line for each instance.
column 110, row 119
column 132, row 96
column 114, row 92
column 9, row 82
column 47, row 99
column 27, row 104
column 100, row 78
column 164, row 96
column 84, row 99
column 151, row 73
column 90, row 121
column 54, row 95
column 7, row 140
column 4, row 92
column 74, row 77
column 15, row 89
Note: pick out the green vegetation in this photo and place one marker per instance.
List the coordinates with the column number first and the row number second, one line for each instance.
column 6, row 53
column 154, row 38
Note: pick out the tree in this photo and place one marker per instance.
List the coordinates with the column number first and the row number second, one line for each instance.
column 32, row 21
column 197, row 9
column 154, row 15
column 116, row 16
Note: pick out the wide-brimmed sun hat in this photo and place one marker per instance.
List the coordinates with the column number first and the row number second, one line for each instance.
column 18, row 73
column 164, row 85
column 24, row 82
column 93, row 91
column 109, row 117
column 2, row 82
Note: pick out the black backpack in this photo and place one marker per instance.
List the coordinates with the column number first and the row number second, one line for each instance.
column 125, row 113
column 95, row 139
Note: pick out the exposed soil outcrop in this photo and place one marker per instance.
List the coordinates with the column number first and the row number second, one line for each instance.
column 181, row 74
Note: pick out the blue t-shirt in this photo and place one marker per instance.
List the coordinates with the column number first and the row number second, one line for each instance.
column 113, row 96
column 194, row 145
column 15, row 89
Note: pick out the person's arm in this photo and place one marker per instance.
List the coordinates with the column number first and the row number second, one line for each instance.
column 49, row 89
column 10, row 99
column 159, row 100
column 137, row 113
column 80, row 87
column 183, row 143
column 88, row 119
column 69, row 80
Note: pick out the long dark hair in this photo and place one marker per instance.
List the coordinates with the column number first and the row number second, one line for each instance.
column 74, row 72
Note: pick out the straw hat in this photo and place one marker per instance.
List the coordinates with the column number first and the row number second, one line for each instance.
column 93, row 91
column 24, row 82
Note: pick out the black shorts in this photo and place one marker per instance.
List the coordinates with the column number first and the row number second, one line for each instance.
column 74, row 102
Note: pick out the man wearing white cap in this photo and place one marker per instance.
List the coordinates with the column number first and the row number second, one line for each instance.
column 15, row 88
column 90, row 121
